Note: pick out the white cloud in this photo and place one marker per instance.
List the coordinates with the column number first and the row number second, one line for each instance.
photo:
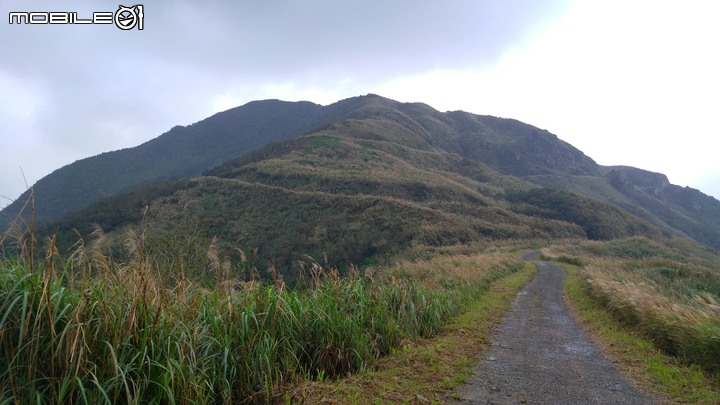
column 633, row 84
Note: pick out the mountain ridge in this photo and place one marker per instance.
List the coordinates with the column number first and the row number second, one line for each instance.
column 481, row 172
column 126, row 169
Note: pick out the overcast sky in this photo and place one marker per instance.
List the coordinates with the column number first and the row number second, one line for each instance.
column 627, row 82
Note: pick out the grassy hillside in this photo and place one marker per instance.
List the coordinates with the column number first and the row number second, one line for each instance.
column 233, row 283
column 184, row 151
column 682, row 208
column 356, row 191
column 599, row 220
column 377, row 146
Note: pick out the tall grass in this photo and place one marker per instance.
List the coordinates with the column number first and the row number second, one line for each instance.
column 94, row 329
column 681, row 319
column 667, row 290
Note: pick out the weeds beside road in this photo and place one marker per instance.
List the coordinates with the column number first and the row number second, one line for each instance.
column 95, row 329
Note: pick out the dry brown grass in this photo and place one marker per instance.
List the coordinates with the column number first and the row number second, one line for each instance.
column 687, row 326
column 428, row 370
column 468, row 269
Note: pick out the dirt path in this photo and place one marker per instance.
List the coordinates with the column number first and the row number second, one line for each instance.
column 541, row 356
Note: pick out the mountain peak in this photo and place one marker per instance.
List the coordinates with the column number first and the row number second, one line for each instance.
column 408, row 151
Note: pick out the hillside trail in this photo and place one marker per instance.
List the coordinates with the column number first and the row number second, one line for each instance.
column 540, row 355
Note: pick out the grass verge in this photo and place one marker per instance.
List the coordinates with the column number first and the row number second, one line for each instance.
column 100, row 329
column 426, row 370
column 638, row 356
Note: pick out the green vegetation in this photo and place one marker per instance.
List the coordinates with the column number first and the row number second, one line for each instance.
column 682, row 208
column 101, row 330
column 453, row 163
column 599, row 220
column 659, row 303
column 638, row 355
column 217, row 286
column 183, row 151
column 429, row 368
column 354, row 192
column 681, row 316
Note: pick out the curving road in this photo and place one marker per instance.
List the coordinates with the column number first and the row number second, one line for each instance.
column 541, row 356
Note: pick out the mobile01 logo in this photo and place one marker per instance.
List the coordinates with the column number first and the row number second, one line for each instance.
column 125, row 18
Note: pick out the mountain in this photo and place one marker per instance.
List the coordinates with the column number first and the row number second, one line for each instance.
column 180, row 152
column 653, row 197
column 188, row 151
column 362, row 178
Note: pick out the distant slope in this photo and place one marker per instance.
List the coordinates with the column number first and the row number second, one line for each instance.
column 371, row 175
column 507, row 145
column 363, row 187
column 682, row 208
column 180, row 152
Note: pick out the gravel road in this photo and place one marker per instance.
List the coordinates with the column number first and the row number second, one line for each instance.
column 541, row 356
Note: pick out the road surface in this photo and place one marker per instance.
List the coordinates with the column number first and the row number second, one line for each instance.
column 541, row 356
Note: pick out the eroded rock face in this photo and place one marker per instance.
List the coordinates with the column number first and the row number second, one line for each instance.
column 648, row 181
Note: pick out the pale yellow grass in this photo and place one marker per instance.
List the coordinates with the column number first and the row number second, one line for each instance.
column 687, row 327
column 467, row 269
column 625, row 289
